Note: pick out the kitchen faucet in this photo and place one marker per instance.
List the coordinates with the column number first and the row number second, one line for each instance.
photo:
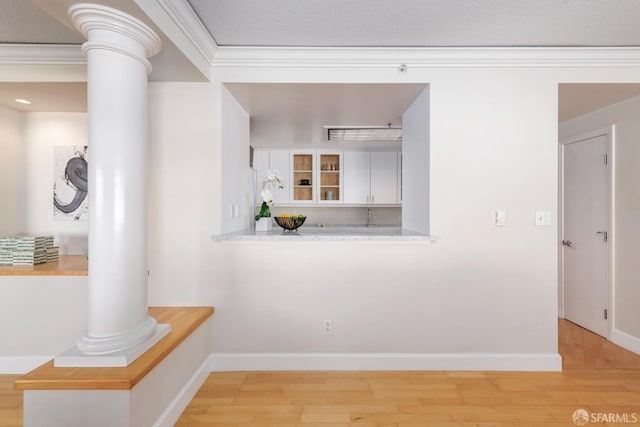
column 369, row 219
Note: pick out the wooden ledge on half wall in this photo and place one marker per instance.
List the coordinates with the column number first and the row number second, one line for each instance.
column 183, row 320
column 67, row 265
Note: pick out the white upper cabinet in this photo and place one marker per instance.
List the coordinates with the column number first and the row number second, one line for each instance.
column 384, row 177
column 371, row 177
column 350, row 177
column 357, row 177
column 274, row 160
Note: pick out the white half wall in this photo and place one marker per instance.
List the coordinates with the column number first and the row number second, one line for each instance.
column 40, row 317
column 157, row 400
column 43, row 131
column 12, row 172
column 626, row 200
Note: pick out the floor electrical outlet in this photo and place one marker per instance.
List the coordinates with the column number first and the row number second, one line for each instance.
column 327, row 327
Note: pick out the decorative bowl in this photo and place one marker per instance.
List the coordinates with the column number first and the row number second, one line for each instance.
column 290, row 222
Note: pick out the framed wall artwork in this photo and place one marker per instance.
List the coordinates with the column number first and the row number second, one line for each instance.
column 70, row 174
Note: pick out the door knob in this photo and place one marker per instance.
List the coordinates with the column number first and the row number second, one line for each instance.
column 567, row 243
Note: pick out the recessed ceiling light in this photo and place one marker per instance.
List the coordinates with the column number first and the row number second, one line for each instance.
column 23, row 101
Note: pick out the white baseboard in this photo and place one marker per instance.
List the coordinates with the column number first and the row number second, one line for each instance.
column 385, row 361
column 21, row 364
column 625, row 340
column 173, row 411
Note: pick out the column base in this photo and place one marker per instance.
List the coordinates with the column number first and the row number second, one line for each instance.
column 74, row 358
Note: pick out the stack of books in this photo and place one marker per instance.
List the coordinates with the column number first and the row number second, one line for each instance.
column 7, row 248
column 30, row 257
column 52, row 253
column 27, row 250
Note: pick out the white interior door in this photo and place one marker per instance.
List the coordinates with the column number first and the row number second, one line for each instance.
column 585, row 233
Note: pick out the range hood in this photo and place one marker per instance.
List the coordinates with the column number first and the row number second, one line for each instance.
column 364, row 133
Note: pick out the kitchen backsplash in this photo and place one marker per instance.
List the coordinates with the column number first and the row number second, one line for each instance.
column 344, row 215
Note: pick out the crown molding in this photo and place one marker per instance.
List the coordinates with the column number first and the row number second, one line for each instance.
column 426, row 57
column 41, row 54
column 180, row 24
column 38, row 54
column 191, row 26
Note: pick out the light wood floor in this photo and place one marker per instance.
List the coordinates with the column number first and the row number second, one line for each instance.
column 598, row 376
column 582, row 349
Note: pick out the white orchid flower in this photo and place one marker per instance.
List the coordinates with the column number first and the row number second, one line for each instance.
column 267, row 196
column 272, row 179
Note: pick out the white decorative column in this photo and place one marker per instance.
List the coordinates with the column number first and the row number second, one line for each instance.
column 117, row 49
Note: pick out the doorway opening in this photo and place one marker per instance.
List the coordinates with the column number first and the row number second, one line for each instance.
column 586, row 229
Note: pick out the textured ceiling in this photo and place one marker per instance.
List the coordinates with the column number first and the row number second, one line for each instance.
column 350, row 23
column 369, row 22
column 429, row 23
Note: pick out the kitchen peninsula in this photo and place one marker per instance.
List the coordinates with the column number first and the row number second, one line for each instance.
column 328, row 233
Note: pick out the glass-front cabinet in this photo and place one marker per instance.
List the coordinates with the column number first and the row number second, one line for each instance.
column 329, row 166
column 316, row 177
column 302, row 177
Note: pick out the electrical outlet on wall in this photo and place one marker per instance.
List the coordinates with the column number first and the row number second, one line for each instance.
column 327, row 327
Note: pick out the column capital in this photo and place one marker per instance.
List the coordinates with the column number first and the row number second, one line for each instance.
column 94, row 20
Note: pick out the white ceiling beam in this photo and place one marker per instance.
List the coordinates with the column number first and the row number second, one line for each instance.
column 177, row 20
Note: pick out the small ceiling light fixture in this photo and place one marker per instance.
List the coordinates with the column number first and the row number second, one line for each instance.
column 403, row 68
column 23, row 101
column 364, row 133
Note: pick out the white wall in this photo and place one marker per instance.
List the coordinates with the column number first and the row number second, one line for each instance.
column 415, row 165
column 236, row 171
column 626, row 204
column 477, row 289
column 184, row 191
column 12, row 172
column 43, row 131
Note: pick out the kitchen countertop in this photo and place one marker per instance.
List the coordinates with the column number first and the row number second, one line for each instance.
column 327, row 233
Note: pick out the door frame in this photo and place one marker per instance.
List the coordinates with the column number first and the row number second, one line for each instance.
column 609, row 133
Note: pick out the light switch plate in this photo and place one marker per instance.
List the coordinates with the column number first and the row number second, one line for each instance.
column 543, row 218
column 501, row 218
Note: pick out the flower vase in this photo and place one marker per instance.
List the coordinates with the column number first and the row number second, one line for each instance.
column 263, row 224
